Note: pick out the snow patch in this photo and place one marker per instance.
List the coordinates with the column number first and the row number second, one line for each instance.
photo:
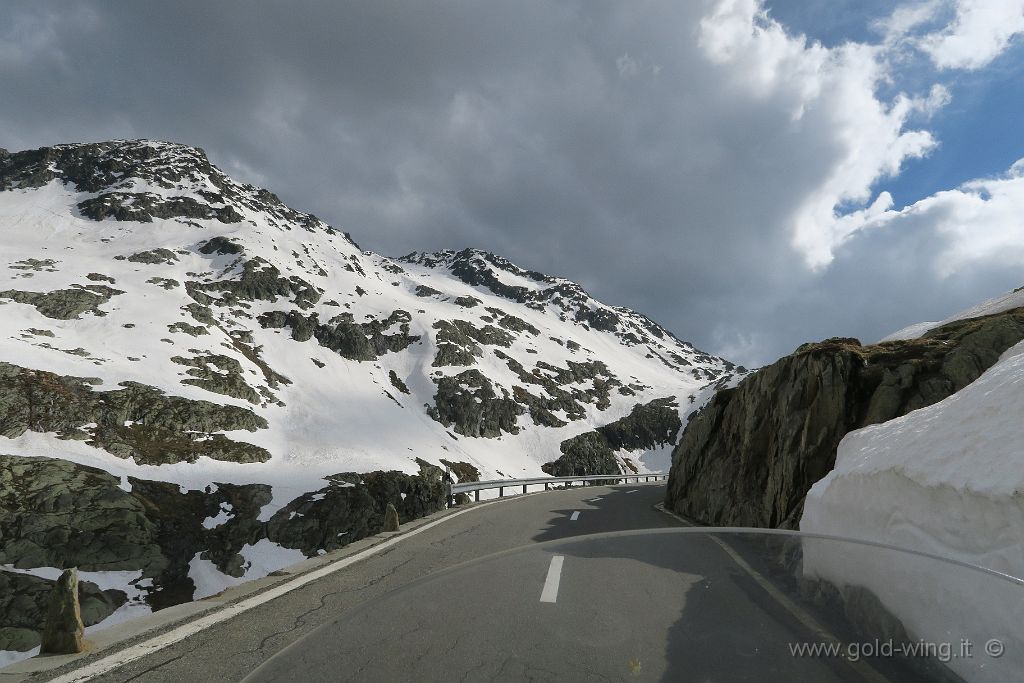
column 261, row 558
column 220, row 518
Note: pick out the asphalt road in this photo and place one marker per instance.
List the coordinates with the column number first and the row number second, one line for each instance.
column 633, row 607
column 581, row 584
column 231, row 650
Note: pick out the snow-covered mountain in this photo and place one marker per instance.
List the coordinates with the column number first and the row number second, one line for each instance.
column 141, row 262
column 199, row 384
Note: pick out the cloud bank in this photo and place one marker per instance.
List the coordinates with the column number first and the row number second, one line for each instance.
column 697, row 161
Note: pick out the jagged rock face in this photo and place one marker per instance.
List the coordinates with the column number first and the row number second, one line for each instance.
column 750, row 455
column 110, row 169
column 567, row 299
column 59, row 514
column 136, row 421
column 468, row 403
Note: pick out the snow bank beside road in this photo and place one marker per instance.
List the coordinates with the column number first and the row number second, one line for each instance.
column 947, row 479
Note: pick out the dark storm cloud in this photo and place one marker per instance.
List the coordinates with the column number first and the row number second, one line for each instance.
column 593, row 140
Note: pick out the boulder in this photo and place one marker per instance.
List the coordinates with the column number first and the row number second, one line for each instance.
column 391, row 518
column 24, row 601
column 62, row 633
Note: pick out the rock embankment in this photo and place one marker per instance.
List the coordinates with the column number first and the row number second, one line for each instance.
column 751, row 454
column 58, row 514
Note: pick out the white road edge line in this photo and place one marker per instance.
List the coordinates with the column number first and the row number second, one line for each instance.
column 111, row 662
column 550, row 592
column 633, row 491
column 575, row 516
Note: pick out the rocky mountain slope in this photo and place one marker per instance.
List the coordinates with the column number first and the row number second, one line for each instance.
column 751, row 454
column 199, row 384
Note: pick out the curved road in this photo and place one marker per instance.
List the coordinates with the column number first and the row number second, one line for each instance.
column 231, row 650
column 539, row 587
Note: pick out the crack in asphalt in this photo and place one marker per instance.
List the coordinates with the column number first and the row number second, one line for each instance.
column 446, row 540
column 164, row 663
column 300, row 620
column 368, row 661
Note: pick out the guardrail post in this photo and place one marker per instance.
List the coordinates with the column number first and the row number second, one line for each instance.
column 547, row 487
column 476, row 495
column 524, row 488
column 501, row 492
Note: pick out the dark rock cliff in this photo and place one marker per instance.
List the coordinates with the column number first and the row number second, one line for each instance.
column 751, row 454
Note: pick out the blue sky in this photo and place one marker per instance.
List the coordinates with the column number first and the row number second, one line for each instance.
column 979, row 131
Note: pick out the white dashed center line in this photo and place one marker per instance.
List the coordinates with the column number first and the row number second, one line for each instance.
column 633, row 491
column 550, row 592
column 575, row 516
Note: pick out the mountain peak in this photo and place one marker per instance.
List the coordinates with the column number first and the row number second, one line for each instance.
column 167, row 273
column 144, row 180
column 98, row 166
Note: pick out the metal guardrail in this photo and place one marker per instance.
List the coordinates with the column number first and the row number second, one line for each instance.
column 501, row 484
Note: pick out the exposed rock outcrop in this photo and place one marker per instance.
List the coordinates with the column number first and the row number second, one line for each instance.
column 56, row 513
column 468, row 403
column 342, row 335
column 647, row 426
column 65, row 304
column 751, row 454
column 136, row 421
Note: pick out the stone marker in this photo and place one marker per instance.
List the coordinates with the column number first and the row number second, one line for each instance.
column 62, row 633
column 391, row 518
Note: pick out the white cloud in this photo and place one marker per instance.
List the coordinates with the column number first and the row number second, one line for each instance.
column 831, row 93
column 978, row 225
column 981, row 31
column 690, row 160
column 906, row 18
